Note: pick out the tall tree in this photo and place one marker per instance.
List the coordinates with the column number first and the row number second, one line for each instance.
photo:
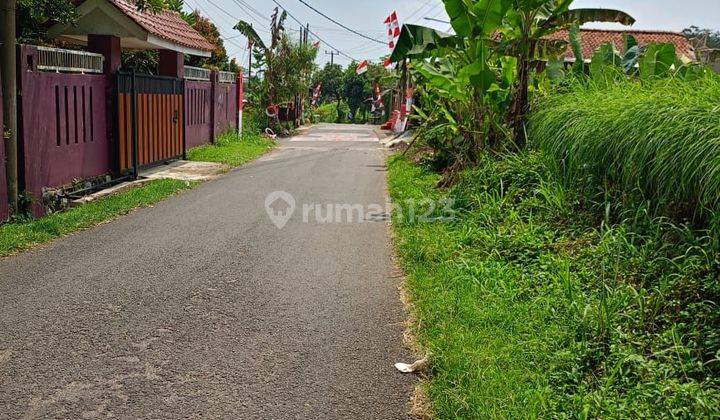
column 331, row 77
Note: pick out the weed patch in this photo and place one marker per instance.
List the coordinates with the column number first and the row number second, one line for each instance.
column 232, row 150
column 22, row 235
column 533, row 303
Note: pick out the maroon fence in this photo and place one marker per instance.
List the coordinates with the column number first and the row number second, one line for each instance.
column 210, row 110
column 225, row 107
column 64, row 135
column 67, row 125
column 198, row 118
column 3, row 184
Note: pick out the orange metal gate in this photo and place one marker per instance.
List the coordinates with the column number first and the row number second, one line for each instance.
column 150, row 127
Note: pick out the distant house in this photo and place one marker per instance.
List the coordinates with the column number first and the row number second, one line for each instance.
column 593, row 39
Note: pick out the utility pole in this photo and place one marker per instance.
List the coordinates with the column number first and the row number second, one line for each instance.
column 9, row 89
column 332, row 53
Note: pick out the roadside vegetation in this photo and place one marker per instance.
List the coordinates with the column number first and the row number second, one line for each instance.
column 657, row 139
column 580, row 276
column 233, row 150
column 538, row 301
column 24, row 234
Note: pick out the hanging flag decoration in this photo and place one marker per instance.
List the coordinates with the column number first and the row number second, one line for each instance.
column 393, row 29
column 388, row 64
column 378, row 102
column 409, row 99
column 316, row 44
column 316, row 95
column 362, row 68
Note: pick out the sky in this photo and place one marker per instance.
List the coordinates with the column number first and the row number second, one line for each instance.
column 367, row 16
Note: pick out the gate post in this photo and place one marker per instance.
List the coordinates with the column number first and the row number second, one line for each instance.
column 134, row 123
column 240, row 100
column 214, row 80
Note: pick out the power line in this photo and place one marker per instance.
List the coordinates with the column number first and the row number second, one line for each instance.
column 253, row 10
column 313, row 33
column 340, row 24
column 407, row 19
column 230, row 40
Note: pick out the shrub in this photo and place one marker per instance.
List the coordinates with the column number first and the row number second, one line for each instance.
column 661, row 139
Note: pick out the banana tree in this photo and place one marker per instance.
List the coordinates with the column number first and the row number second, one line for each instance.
column 523, row 35
column 271, row 52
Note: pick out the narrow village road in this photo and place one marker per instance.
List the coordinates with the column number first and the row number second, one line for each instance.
column 201, row 307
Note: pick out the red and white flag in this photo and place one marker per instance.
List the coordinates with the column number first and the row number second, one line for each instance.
column 378, row 101
column 362, row 67
column 393, row 29
column 316, row 95
column 388, row 64
column 316, row 44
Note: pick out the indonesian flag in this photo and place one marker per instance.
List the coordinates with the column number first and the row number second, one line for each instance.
column 388, row 64
column 409, row 99
column 316, row 95
column 316, row 44
column 393, row 29
column 362, row 68
column 378, row 102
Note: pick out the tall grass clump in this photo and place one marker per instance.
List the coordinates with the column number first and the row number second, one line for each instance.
column 658, row 139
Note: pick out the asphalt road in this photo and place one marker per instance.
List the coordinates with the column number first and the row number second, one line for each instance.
column 201, row 307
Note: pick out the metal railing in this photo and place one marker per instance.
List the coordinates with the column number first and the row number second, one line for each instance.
column 227, row 77
column 58, row 59
column 196, row 73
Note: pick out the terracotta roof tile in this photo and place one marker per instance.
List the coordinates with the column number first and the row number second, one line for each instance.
column 593, row 39
column 167, row 25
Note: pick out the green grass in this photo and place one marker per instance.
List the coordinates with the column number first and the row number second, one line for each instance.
column 533, row 304
column 22, row 235
column 231, row 150
column 659, row 139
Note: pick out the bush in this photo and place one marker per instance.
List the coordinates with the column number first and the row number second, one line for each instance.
column 327, row 112
column 661, row 140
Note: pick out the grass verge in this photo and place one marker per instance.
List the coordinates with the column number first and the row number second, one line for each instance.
column 534, row 304
column 22, row 235
column 231, row 150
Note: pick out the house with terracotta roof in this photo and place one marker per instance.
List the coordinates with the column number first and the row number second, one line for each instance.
column 593, row 39
column 109, row 26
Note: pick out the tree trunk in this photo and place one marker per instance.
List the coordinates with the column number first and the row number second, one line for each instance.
column 520, row 103
column 9, row 89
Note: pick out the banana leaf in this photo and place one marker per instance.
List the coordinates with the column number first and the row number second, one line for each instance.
column 418, row 41
column 581, row 16
column 247, row 30
column 461, row 18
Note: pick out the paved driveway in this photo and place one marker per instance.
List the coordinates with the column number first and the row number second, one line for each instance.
column 202, row 307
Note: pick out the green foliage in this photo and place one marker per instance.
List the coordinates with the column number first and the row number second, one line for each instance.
column 485, row 71
column 535, row 303
column 418, row 42
column 287, row 65
column 22, row 235
column 331, row 77
column 660, row 138
column 143, row 61
column 34, row 15
column 657, row 61
column 331, row 112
